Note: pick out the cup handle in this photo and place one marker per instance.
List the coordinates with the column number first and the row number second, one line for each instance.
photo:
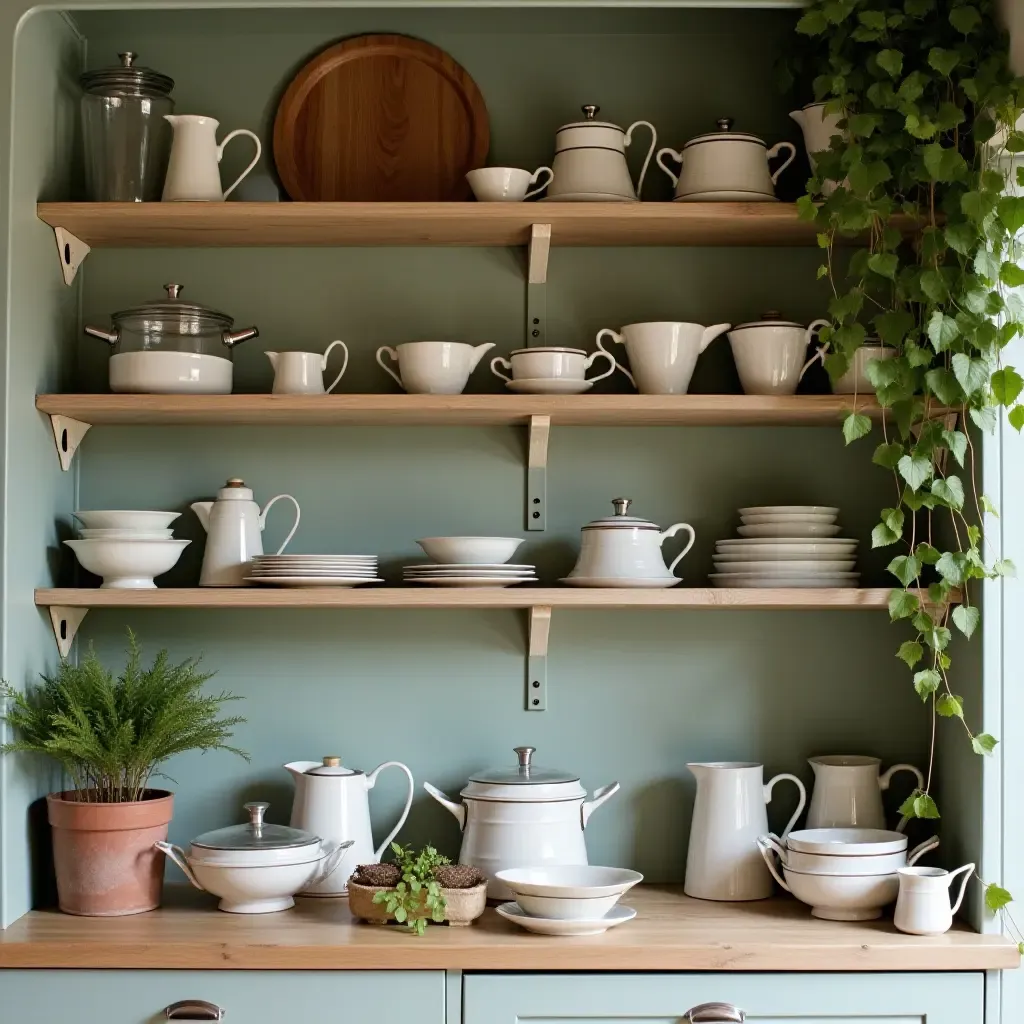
column 533, row 181
column 766, row 852
column 600, row 354
column 678, row 157
column 650, row 152
column 778, row 148
column 495, row 363
column 920, row 850
column 800, row 806
column 344, row 365
column 615, row 337
column 371, row 780
column 295, row 525
column 773, row 841
column 819, row 353
column 255, row 160
column 671, row 532
column 391, row 353
column 177, row 854
column 966, row 869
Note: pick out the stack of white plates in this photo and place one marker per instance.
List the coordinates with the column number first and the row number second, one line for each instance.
column 314, row 570
column 786, row 546
column 463, row 574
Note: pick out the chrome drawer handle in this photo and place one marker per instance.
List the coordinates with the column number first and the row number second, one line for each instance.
column 193, row 1009
column 715, row 1013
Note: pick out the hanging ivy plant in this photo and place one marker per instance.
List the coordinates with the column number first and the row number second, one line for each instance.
column 928, row 109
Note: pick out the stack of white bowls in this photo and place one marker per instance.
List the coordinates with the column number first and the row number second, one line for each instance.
column 470, row 562
column 567, row 899
column 313, row 570
column 786, row 546
column 128, row 548
column 842, row 874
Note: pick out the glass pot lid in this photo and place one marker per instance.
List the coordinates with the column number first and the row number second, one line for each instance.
column 126, row 77
column 621, row 519
column 525, row 773
column 725, row 134
column 173, row 312
column 256, row 835
column 770, row 319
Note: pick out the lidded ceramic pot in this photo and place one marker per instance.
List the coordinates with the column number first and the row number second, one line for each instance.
column 771, row 353
column 726, row 166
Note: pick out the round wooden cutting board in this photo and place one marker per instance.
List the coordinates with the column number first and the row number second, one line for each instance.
column 380, row 118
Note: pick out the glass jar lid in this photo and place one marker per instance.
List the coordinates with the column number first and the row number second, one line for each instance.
column 126, row 77
column 770, row 319
column 256, row 835
column 526, row 773
column 621, row 519
column 725, row 134
column 173, row 312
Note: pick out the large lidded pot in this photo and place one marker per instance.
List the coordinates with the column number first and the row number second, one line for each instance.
column 590, row 161
column 171, row 347
column 524, row 816
column 127, row 140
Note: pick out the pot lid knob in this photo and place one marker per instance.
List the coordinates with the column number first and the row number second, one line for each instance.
column 725, row 124
column 127, row 58
column 621, row 505
column 333, row 761
column 256, row 809
column 590, row 111
column 524, row 754
column 173, row 290
column 771, row 314
column 236, row 481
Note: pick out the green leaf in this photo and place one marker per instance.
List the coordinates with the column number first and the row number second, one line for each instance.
column 944, row 163
column 905, row 568
column 865, row 177
column 813, row 23
column 927, row 554
column 401, row 914
column 863, row 125
column 885, row 264
column 1016, row 417
column 943, row 385
column 950, row 568
column 873, row 20
column 855, row 426
column 1011, row 275
column 893, row 518
column 914, row 469
column 984, row 418
column 902, row 604
column 966, row 618
column 1010, row 210
column 956, row 442
column 962, row 237
column 939, row 638
column 882, row 536
column 923, row 806
column 942, row 331
column 894, row 325
column 1004, row 567
column 983, row 743
column 887, row 455
column 972, row 374
column 965, row 19
column 890, row 61
column 949, row 706
column 996, row 898
column 1006, row 385
column 933, row 285
column 927, row 682
column 942, row 60
column 977, row 205
column 988, row 506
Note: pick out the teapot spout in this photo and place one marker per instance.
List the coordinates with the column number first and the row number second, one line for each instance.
column 202, row 510
column 479, row 352
column 298, row 768
column 459, row 810
column 272, row 356
column 710, row 333
column 800, row 116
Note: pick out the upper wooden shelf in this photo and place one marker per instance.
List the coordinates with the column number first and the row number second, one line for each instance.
column 129, row 225
column 457, row 410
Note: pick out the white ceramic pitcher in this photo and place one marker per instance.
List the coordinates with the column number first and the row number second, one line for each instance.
column 193, row 172
column 848, row 791
column 818, row 128
column 723, row 862
column 302, row 373
column 332, row 801
column 922, row 907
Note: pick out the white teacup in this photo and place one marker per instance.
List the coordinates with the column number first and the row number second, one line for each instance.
column 506, row 184
column 855, row 380
column 433, row 367
column 771, row 358
column 662, row 354
column 551, row 364
column 302, row 373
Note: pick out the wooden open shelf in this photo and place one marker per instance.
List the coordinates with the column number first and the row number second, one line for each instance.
column 130, row 225
column 456, row 410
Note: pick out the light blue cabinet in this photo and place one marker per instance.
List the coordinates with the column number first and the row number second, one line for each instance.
column 765, row 998
column 246, row 997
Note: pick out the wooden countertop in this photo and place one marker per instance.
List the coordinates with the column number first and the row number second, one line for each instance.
column 671, row 933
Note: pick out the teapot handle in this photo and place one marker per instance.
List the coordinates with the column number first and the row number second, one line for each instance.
column 799, row 807
column 295, row 525
column 650, row 152
column 819, row 352
column 778, row 148
column 660, row 160
column 255, row 160
column 671, row 532
column 593, row 357
column 495, row 363
column 344, row 365
column 614, row 337
column 371, row 779
column 391, row 354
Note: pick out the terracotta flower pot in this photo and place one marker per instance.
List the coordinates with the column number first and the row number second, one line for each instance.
column 103, row 853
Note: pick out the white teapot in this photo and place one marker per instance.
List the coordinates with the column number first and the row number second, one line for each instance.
column 590, row 161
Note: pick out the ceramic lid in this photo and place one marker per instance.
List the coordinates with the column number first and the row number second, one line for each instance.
column 590, row 112
column 235, row 490
column 524, row 782
column 126, row 77
column 621, row 519
column 332, row 766
column 770, row 319
column 550, row 348
column 725, row 134
column 256, row 836
column 183, row 317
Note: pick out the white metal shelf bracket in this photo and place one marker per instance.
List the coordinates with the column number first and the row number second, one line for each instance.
column 537, row 659
column 72, row 251
column 65, row 622
column 537, row 473
column 537, row 285
column 68, row 434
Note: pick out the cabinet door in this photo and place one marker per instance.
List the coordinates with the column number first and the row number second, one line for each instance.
column 246, row 997
column 765, row 998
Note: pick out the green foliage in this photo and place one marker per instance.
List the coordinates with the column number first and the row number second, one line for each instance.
column 417, row 899
column 110, row 734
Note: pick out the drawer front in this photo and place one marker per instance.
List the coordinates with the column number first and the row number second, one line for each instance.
column 766, row 998
column 247, row 997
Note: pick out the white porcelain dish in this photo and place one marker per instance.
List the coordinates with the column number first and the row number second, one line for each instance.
column 847, row 842
column 125, row 519
column 548, row 386
column 810, row 582
column 623, row 582
column 557, row 908
column 312, row 581
column 726, row 196
column 570, row 881
column 589, row 197
column 783, row 555
column 785, row 543
column 836, row 864
column 125, row 534
column 791, row 568
column 480, row 566
column 548, row 926
column 128, row 564
column 470, row 581
column 796, row 518
column 786, row 510
column 842, row 897
column 789, row 531
column 470, row 550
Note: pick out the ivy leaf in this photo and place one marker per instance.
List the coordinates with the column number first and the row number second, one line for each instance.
column 902, row 604
column 984, row 418
column 949, row 706
column 893, row 518
column 1011, row 275
column 905, row 568
column 885, row 264
column 1004, row 567
column 864, row 125
column 943, row 385
column 882, row 536
column 910, row 652
column 915, row 469
column 983, row 743
column 966, row 619
column 865, row 177
column 887, row 455
column 942, row 60
column 950, row 568
column 894, row 325
column 813, row 23
column 978, row 205
column 927, row 554
column 1010, row 210
column 988, row 506
column 961, row 237
column 965, row 19
column 918, row 805
column 996, row 898
column 1016, row 418
column 944, row 163
column 942, row 331
column 855, row 426
column 950, row 491
column 890, row 61
column 933, row 285
column 956, row 442
column 1006, row 385
column 972, row 374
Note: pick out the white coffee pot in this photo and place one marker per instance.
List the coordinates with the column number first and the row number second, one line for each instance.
column 818, row 128
column 848, row 791
column 302, row 373
column 922, row 907
column 234, row 526
column 193, row 171
column 590, row 160
column 332, row 801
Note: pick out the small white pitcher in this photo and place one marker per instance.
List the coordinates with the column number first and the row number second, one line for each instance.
column 922, row 907
column 193, row 172
column 302, row 373
column 848, row 791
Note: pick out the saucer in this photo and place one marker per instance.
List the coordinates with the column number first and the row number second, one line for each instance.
column 588, row 197
column 552, row 926
column 623, row 582
column 548, row 386
column 726, row 196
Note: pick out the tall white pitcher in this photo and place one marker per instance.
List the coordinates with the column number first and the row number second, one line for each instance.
column 723, row 861
column 848, row 791
column 193, row 171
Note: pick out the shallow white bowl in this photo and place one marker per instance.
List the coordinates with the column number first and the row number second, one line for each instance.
column 128, row 564
column 844, row 897
column 837, row 864
column 783, row 510
column 462, row 550
column 569, row 881
column 793, row 518
column 555, row 926
column 847, row 842
column 125, row 534
column 125, row 519
column 560, row 908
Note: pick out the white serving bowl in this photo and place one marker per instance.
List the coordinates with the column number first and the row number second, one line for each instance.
column 843, row 897
column 558, row 908
column 847, row 842
column 569, row 881
column 127, row 564
column 125, row 534
column 126, row 519
column 470, row 550
column 838, row 864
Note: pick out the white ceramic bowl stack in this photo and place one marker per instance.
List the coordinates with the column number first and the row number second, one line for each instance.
column 568, row 899
column 842, row 874
column 470, row 562
column 786, row 546
column 127, row 548
column 314, row 570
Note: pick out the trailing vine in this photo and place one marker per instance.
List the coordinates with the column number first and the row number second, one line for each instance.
column 928, row 109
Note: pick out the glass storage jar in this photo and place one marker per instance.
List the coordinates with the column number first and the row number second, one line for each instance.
column 127, row 140
column 169, row 347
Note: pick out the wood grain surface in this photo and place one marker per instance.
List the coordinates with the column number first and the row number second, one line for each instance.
column 380, row 118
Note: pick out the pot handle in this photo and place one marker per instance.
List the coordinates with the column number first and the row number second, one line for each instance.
column 255, row 160
column 295, row 525
column 671, row 532
column 371, row 780
column 919, row 851
column 495, row 363
column 799, row 807
column 650, row 152
column 458, row 810
column 600, row 796
column 966, row 869
column 536, row 175
column 232, row 338
column 660, row 160
column 177, row 854
column 331, row 860
column 819, row 353
column 593, row 357
column 107, row 336
column 615, row 336
column 778, row 148
column 772, row 840
column 766, row 852
column 392, row 354
column 344, row 365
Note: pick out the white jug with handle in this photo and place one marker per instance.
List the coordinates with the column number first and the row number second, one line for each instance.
column 723, row 862
column 332, row 801
column 234, row 525
column 302, row 373
column 193, row 172
column 848, row 791
column 922, row 907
